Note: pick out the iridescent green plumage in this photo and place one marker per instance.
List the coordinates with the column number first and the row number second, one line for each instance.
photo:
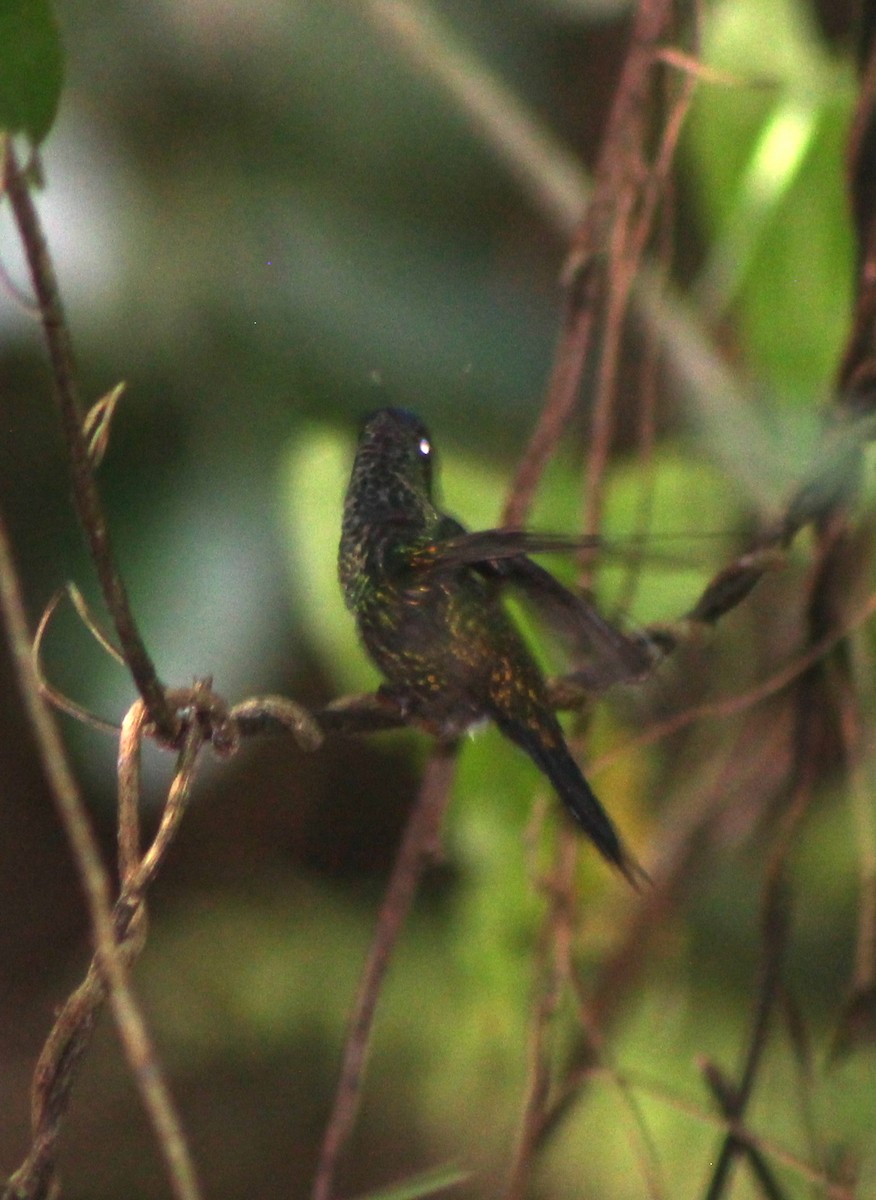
column 428, row 603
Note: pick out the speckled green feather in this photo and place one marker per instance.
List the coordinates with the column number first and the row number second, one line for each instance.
column 450, row 654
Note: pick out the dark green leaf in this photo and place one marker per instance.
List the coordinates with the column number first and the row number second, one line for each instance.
column 31, row 67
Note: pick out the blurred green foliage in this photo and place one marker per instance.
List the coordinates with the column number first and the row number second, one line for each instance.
column 767, row 151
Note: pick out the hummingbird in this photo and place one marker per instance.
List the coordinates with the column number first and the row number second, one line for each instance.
column 428, row 600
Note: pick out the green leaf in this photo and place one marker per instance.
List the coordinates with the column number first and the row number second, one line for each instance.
column 768, row 167
column 31, row 67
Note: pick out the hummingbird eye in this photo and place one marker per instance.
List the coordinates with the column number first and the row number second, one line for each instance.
column 425, row 447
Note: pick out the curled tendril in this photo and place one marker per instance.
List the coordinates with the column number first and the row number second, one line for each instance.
column 56, row 698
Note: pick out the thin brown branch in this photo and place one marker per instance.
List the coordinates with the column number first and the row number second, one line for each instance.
column 561, row 396
column 551, row 973
column 728, row 1101
column 128, row 771
column 550, row 173
column 50, row 693
column 207, row 718
column 640, row 190
column 600, row 268
column 764, row 1146
column 95, row 881
column 85, row 494
column 566, row 695
column 734, row 1099
column 617, row 281
column 419, row 846
column 140, row 875
column 860, row 785
column 857, row 1023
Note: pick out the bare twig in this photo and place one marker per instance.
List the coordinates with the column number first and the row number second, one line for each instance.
column 420, row 845
column 89, row 621
column 766, row 1147
column 733, row 1100
column 35, row 1175
column 57, row 699
column 601, row 266
column 856, row 742
column 841, row 558
column 857, row 1022
column 552, row 974
column 731, row 1105
column 207, row 718
column 87, row 500
column 621, row 218
column 566, row 694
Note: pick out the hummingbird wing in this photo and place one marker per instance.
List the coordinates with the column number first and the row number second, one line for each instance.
column 618, row 657
column 456, row 547
column 501, row 554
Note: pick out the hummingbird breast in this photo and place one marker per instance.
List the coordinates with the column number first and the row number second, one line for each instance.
column 449, row 651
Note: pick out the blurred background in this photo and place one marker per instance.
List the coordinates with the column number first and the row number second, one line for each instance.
column 268, row 219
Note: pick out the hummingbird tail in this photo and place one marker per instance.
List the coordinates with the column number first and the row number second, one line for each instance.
column 577, row 795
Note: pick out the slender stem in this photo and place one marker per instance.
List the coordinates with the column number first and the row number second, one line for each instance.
column 552, row 972
column 775, row 934
column 419, row 845
column 85, row 494
column 95, row 881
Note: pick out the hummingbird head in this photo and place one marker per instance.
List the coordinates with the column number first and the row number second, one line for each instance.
column 394, row 444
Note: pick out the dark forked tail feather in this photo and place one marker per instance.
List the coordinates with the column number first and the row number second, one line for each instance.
column 576, row 793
